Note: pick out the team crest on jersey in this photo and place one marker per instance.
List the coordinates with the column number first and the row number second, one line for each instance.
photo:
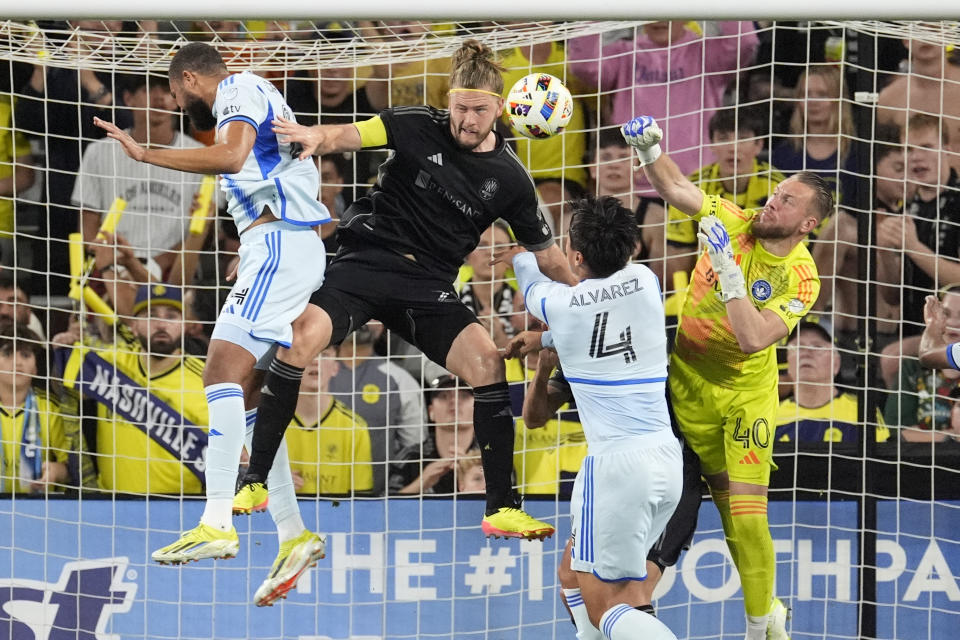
column 761, row 290
column 489, row 188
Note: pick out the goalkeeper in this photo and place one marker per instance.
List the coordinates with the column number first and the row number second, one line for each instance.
column 748, row 290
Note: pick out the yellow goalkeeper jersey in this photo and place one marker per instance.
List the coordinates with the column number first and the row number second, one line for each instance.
column 151, row 430
column 333, row 455
column 761, row 181
column 787, row 286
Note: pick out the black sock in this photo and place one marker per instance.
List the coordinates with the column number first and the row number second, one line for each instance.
column 647, row 608
column 493, row 426
column 278, row 404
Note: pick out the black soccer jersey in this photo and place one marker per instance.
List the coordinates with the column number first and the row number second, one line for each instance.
column 433, row 199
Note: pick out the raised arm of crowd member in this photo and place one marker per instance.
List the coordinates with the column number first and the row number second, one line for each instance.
column 935, row 353
column 121, row 270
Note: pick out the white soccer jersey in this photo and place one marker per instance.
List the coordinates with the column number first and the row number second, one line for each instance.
column 270, row 176
column 611, row 338
column 953, row 354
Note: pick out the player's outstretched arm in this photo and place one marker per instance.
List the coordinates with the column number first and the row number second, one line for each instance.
column 318, row 139
column 542, row 401
column 554, row 265
column 755, row 329
column 644, row 135
column 933, row 350
column 226, row 156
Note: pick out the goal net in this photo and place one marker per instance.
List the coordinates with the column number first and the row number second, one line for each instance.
column 104, row 419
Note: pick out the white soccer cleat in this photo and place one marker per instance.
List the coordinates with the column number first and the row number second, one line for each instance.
column 777, row 619
column 295, row 557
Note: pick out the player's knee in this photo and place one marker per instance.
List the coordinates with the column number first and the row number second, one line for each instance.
column 311, row 334
column 567, row 576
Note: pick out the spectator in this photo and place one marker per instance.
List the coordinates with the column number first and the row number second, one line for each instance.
column 406, row 83
column 159, row 200
column 470, row 473
column 334, row 169
column 555, row 163
column 337, row 95
column 15, row 304
column 818, row 411
column 932, row 86
column 820, row 133
column 736, row 140
column 611, row 174
column 16, row 174
column 57, row 107
column 382, row 393
column 487, row 289
column 923, row 244
column 33, row 446
column 836, row 251
column 151, row 411
column 329, row 444
column 429, row 467
column 924, row 405
column 678, row 75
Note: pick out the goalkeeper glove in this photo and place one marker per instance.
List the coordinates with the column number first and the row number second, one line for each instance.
column 714, row 235
column 643, row 134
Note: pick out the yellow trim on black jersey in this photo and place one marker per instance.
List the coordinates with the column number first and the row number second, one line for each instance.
column 373, row 133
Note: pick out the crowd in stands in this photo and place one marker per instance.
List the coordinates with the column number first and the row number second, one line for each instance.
column 116, row 403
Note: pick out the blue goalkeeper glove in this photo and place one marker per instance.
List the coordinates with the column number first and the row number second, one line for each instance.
column 715, row 237
column 643, row 134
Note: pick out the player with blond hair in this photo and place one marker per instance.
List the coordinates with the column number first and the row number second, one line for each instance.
column 449, row 177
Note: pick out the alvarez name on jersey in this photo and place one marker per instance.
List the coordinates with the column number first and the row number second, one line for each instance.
column 611, row 337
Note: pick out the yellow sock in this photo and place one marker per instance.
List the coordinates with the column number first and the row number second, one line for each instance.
column 748, row 515
column 722, row 500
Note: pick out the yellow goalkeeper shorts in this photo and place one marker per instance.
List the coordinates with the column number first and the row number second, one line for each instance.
column 730, row 430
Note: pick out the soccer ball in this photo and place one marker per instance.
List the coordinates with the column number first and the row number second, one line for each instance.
column 539, row 105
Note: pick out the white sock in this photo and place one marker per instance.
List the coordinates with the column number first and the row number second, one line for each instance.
column 623, row 622
column 283, row 505
column 225, row 441
column 756, row 627
column 585, row 630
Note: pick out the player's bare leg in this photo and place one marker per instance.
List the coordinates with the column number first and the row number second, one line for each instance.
column 474, row 358
column 278, row 402
column 609, row 609
column 228, row 373
column 637, row 593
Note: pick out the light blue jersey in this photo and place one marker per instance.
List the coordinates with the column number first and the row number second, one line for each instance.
column 611, row 338
column 270, row 176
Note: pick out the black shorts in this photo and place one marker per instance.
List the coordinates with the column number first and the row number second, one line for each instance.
column 420, row 306
column 678, row 534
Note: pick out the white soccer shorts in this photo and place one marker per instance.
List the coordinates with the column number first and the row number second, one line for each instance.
column 281, row 265
column 622, row 500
